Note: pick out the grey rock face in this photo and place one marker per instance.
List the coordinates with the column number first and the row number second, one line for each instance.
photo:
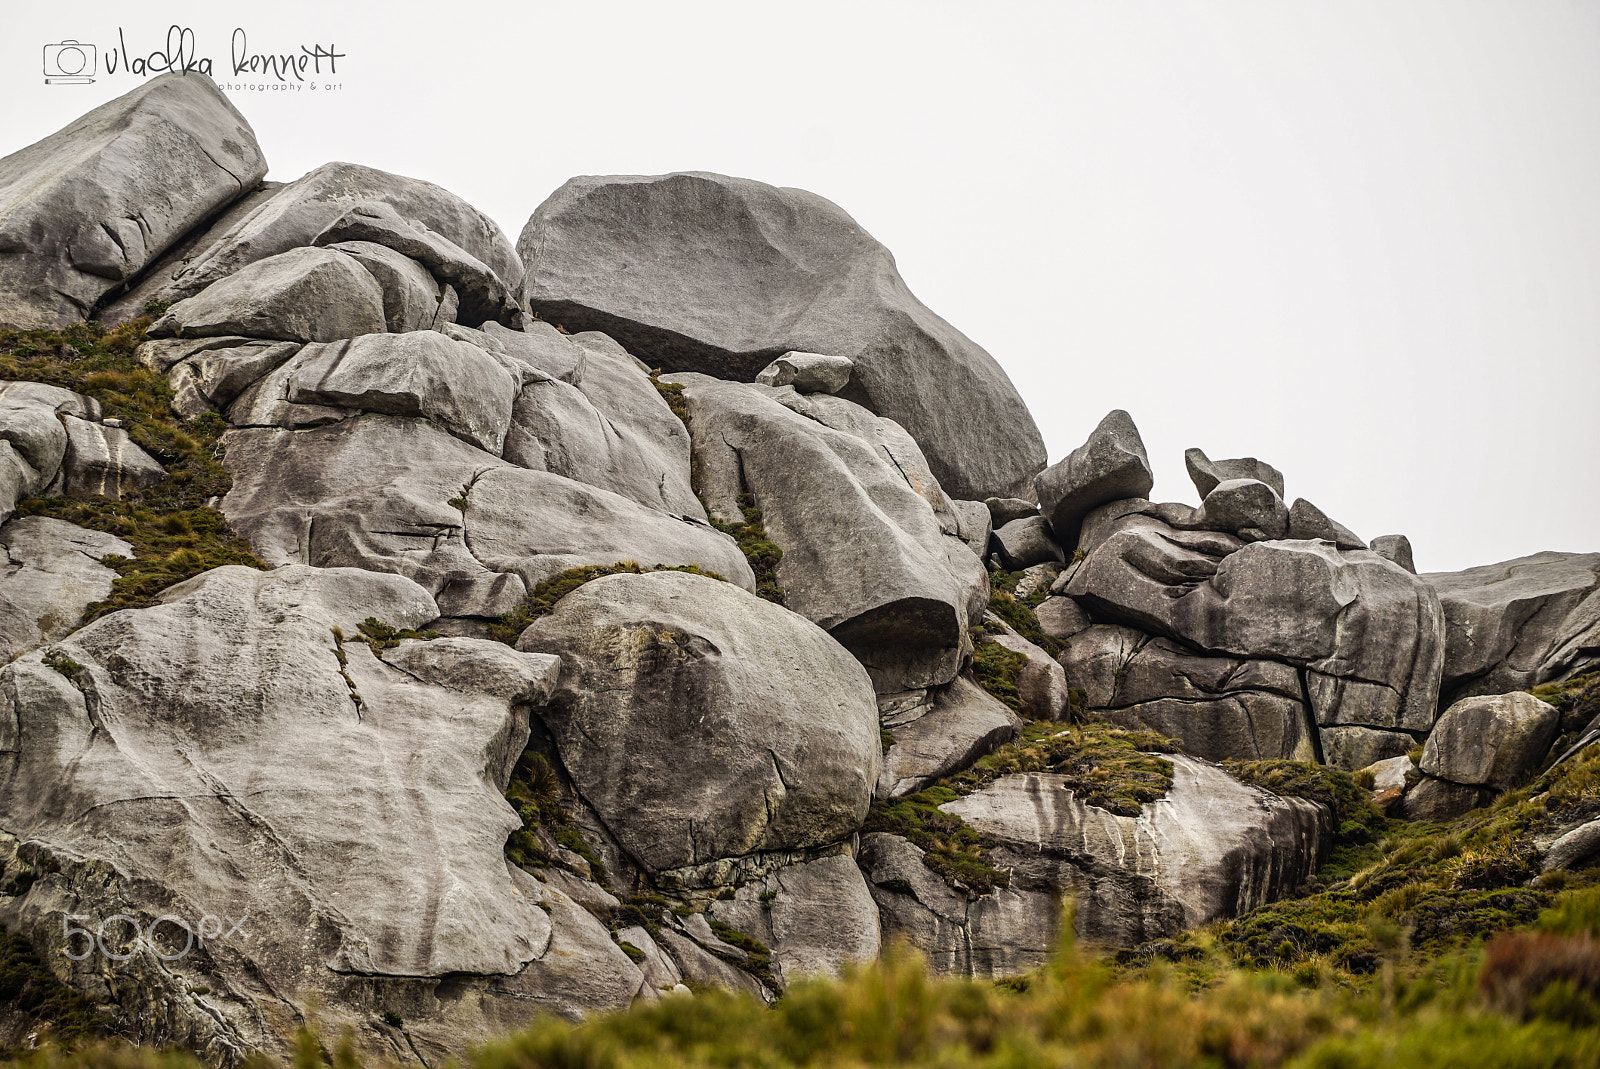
column 700, row 722
column 808, row 372
column 1369, row 633
column 699, row 272
column 1491, row 740
column 850, row 501
column 972, row 526
column 346, row 811
column 103, row 461
column 1514, row 625
column 1248, row 508
column 300, row 295
column 91, row 205
column 1002, row 510
column 455, row 385
column 1211, row 848
column 412, row 298
column 1351, row 748
column 816, row 917
column 1440, row 800
column 295, row 214
column 1042, row 683
column 376, row 492
column 49, row 572
column 1573, row 849
column 1218, row 707
column 482, row 294
column 939, row 732
column 1396, row 548
column 1306, row 521
column 587, row 411
column 1006, row 933
column 207, row 375
column 1207, row 474
column 1110, row 466
column 1061, row 618
column 1024, row 543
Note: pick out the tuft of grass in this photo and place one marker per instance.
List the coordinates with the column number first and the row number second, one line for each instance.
column 762, row 552
column 535, row 793
column 1018, row 612
column 381, row 636
column 998, row 670
column 1354, row 815
column 175, row 533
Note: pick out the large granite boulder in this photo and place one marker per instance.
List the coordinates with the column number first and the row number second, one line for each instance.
column 1220, row 708
column 1514, row 625
column 49, row 573
column 1110, row 466
column 699, row 272
column 1368, row 635
column 816, row 917
column 1211, row 848
column 870, row 550
column 700, row 722
column 296, row 213
column 1494, row 740
column 300, row 295
column 247, row 759
column 89, row 207
column 402, row 495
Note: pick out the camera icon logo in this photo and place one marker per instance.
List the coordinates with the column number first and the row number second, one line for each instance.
column 69, row 63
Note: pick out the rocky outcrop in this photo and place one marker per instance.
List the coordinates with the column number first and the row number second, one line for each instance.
column 1365, row 637
column 1212, row 847
column 869, row 545
column 300, row 295
column 294, row 215
column 90, row 206
column 1514, row 625
column 1110, row 466
column 817, row 917
column 226, row 754
column 699, row 272
column 52, row 441
column 938, row 732
column 49, row 573
column 808, row 372
column 700, row 722
column 401, row 495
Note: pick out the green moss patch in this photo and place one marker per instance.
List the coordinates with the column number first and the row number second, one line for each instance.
column 997, row 670
column 1355, row 817
column 175, row 534
column 1018, row 612
column 762, row 552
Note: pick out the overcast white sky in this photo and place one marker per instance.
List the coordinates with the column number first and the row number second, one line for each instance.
column 1358, row 240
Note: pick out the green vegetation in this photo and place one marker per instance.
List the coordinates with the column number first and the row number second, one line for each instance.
column 672, row 394
column 1355, row 818
column 535, row 793
column 1018, row 612
column 175, row 534
column 1105, row 766
column 997, row 670
column 381, row 636
column 762, row 553
column 542, row 602
column 30, row 990
column 1578, row 702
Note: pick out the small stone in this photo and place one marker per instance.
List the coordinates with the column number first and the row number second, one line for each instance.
column 1207, row 473
column 808, row 372
column 1396, row 548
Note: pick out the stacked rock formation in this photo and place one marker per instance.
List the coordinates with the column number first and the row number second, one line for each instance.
column 735, row 493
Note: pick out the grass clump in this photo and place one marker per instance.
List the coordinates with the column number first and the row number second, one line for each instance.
column 535, row 793
column 542, row 601
column 381, row 636
column 174, row 532
column 998, row 671
column 65, row 1016
column 1356, row 819
column 1018, row 612
column 762, row 552
column 1104, row 766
